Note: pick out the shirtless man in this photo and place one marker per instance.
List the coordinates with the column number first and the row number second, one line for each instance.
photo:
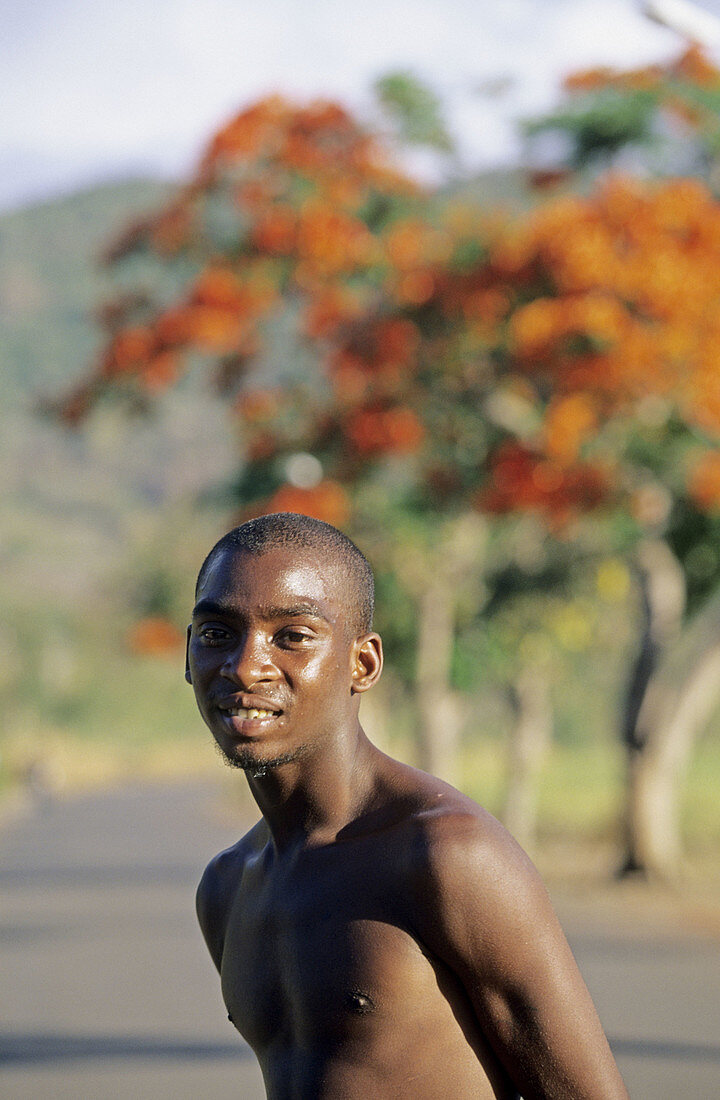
column 378, row 935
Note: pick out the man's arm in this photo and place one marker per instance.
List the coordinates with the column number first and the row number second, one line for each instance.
column 215, row 895
column 211, row 908
column 482, row 908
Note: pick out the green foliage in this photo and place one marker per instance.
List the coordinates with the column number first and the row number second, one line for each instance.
column 598, row 126
column 415, row 110
column 694, row 538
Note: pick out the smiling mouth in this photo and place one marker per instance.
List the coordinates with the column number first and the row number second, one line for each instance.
column 251, row 712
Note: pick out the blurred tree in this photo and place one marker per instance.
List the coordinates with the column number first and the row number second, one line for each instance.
column 663, row 120
column 415, row 368
column 309, row 247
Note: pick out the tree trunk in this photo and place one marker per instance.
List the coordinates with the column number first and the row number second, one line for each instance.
column 438, row 716
column 674, row 687
column 456, row 561
column 662, row 591
column 529, row 743
column 653, row 842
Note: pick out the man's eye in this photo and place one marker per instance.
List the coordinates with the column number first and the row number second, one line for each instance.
column 212, row 634
column 294, row 637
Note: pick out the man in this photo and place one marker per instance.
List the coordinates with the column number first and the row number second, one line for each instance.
column 378, row 934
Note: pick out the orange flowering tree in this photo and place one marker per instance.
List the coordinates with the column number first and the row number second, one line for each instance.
column 662, row 119
column 354, row 323
column 416, row 368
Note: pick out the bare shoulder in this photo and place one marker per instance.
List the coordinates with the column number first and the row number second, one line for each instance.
column 456, row 836
column 465, row 869
column 447, row 825
column 218, row 886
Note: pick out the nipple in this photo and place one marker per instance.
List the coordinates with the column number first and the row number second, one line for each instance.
column 359, row 1003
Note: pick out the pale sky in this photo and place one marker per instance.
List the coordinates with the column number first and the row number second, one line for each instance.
column 92, row 91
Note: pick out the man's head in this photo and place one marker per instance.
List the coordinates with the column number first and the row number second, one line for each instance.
column 292, row 530
column 280, row 646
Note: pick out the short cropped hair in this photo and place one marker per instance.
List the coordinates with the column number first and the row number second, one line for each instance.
column 293, row 529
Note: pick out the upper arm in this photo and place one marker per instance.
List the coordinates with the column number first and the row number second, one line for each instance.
column 213, row 900
column 486, row 914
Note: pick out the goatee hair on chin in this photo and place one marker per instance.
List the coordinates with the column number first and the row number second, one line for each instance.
column 245, row 761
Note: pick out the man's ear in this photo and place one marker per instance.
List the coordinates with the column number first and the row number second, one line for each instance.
column 188, row 677
column 367, row 662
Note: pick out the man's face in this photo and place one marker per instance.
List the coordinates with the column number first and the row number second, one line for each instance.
column 271, row 655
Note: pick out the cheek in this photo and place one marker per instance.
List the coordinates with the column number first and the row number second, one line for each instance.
column 203, row 665
column 319, row 677
column 334, row 680
column 194, row 665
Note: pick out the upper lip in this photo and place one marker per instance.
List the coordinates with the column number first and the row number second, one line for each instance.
column 247, row 702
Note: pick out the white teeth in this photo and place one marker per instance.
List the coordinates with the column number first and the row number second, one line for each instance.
column 249, row 712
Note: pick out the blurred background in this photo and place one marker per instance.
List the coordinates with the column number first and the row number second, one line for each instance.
column 447, row 276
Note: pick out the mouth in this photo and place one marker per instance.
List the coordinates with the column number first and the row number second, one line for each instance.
column 251, row 713
column 248, row 716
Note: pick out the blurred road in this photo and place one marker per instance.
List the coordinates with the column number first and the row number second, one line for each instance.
column 107, row 990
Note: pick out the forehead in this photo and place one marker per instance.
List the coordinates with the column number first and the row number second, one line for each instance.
column 276, row 576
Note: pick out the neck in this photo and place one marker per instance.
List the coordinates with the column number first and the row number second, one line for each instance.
column 310, row 800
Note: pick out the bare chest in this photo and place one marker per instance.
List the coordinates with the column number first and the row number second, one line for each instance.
column 314, row 960
column 323, row 977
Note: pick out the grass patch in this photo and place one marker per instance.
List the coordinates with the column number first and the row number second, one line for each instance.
column 581, row 789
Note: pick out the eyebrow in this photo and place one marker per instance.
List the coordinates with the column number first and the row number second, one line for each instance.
column 295, row 611
column 268, row 612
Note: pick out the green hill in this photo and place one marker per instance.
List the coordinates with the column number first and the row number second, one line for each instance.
column 92, row 479
column 87, row 515
column 50, row 282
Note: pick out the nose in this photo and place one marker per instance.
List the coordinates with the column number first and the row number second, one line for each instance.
column 250, row 662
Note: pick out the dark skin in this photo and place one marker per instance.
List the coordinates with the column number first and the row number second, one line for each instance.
column 377, row 933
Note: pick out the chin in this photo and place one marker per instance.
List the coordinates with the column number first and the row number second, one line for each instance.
column 248, row 761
